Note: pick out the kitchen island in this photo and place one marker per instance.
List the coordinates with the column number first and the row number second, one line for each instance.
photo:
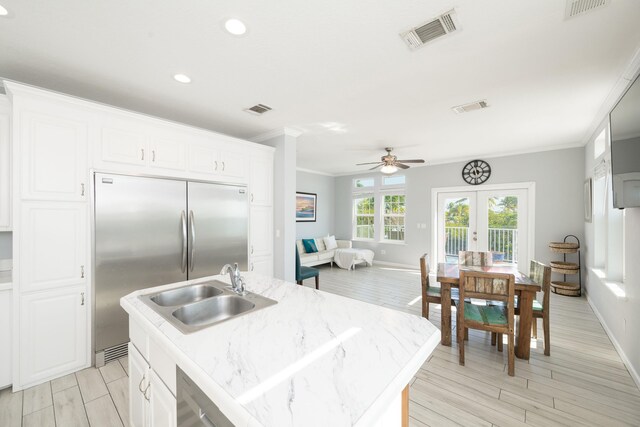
column 313, row 358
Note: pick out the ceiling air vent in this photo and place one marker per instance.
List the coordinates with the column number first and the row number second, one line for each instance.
column 258, row 109
column 578, row 7
column 473, row 106
column 436, row 28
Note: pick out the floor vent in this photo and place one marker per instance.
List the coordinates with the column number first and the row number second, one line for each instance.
column 472, row 106
column 258, row 109
column 578, row 7
column 115, row 352
column 434, row 29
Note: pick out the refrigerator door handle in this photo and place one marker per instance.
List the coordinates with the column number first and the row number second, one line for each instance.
column 183, row 222
column 192, row 224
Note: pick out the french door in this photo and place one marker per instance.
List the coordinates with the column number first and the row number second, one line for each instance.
column 490, row 220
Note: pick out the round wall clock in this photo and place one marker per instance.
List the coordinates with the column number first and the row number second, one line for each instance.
column 476, row 172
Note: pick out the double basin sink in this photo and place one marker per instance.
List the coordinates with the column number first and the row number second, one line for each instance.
column 195, row 307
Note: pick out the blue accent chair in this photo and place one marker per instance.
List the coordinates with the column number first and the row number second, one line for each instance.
column 303, row 272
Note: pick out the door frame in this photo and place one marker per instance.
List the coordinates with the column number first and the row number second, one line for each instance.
column 531, row 220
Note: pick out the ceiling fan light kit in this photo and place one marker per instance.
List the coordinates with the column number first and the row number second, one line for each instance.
column 390, row 163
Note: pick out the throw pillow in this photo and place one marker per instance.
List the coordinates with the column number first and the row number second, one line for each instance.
column 309, row 246
column 330, row 242
column 320, row 244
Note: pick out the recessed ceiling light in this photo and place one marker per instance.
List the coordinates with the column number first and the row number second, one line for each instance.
column 3, row 11
column 235, row 27
column 182, row 78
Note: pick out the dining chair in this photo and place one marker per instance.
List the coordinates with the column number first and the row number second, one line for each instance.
column 475, row 258
column 303, row 272
column 431, row 294
column 488, row 317
column 541, row 274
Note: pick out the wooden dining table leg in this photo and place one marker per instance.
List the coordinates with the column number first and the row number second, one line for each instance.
column 445, row 313
column 405, row 406
column 525, row 302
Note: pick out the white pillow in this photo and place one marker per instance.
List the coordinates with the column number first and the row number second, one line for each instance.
column 330, row 242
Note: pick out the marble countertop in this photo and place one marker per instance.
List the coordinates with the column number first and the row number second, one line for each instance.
column 314, row 358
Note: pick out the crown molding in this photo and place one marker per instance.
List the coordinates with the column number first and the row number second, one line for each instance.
column 285, row 131
column 315, row 172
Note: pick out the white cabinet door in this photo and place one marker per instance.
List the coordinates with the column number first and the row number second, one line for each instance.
column 261, row 231
column 54, row 157
column 163, row 411
column 5, row 169
column 127, row 146
column 52, row 334
column 261, row 181
column 138, row 383
column 167, row 154
column 53, row 245
column 203, row 159
column 262, row 265
column 232, row 164
column 6, row 303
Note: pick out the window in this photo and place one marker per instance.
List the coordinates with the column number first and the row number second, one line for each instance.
column 393, row 217
column 364, row 208
column 393, row 180
column 363, row 182
column 379, row 200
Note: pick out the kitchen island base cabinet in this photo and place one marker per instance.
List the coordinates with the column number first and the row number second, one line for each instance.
column 151, row 403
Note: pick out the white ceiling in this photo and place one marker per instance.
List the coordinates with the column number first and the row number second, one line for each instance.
column 336, row 69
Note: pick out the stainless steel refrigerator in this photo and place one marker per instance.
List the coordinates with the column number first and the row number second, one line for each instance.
column 155, row 231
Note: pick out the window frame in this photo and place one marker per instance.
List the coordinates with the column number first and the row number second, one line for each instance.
column 384, row 215
column 378, row 191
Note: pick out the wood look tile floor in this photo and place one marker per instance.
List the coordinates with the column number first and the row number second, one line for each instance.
column 91, row 397
column 583, row 382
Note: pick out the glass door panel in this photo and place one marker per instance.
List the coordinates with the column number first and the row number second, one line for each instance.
column 456, row 225
column 493, row 221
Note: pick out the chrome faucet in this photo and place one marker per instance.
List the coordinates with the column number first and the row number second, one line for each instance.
column 237, row 282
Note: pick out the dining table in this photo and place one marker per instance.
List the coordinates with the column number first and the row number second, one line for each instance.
column 525, row 289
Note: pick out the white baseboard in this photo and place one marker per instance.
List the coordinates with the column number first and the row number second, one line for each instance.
column 393, row 264
column 616, row 345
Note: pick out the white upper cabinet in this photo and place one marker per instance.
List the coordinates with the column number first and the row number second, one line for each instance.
column 232, row 164
column 123, row 146
column 53, row 245
column 5, row 166
column 52, row 334
column 54, row 157
column 261, row 181
column 126, row 142
column 218, row 163
column 167, row 154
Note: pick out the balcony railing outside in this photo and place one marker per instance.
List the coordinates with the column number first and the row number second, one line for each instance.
column 501, row 240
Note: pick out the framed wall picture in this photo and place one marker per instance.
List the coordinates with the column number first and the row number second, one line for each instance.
column 306, row 207
column 587, row 200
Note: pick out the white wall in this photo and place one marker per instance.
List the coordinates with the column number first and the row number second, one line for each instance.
column 559, row 210
column 323, row 186
column 284, row 205
column 615, row 301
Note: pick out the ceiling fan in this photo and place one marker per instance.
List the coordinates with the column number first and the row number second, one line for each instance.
column 390, row 163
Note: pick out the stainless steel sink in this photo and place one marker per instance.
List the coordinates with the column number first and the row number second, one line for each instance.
column 185, row 295
column 213, row 310
column 195, row 307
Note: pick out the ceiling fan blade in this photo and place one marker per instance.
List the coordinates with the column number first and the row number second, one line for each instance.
column 370, row 163
column 376, row 167
column 411, row 161
column 401, row 166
